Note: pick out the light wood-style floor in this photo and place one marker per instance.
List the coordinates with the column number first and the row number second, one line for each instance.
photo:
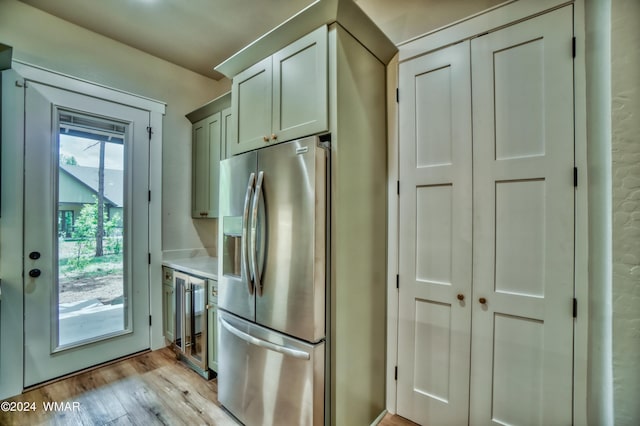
column 148, row 389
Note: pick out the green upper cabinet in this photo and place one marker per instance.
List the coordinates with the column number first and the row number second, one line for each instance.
column 251, row 103
column 206, row 136
column 209, row 135
column 227, row 133
column 282, row 97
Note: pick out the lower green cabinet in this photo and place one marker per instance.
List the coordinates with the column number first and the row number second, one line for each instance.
column 212, row 326
column 168, row 305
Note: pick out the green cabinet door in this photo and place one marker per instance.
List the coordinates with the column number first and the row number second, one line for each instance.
column 251, row 104
column 206, row 138
column 168, row 305
column 300, row 106
column 227, row 133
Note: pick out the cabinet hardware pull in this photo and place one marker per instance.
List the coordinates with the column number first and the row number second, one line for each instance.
column 274, row 137
column 460, row 297
column 265, row 138
column 482, row 300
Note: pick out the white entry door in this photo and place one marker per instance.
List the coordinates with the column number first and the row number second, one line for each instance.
column 435, row 237
column 86, row 232
column 523, row 229
column 486, row 229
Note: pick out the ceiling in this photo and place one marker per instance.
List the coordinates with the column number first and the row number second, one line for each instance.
column 200, row 34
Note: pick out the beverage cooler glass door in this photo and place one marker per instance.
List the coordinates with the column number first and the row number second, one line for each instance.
column 191, row 318
column 197, row 320
column 237, row 183
column 181, row 282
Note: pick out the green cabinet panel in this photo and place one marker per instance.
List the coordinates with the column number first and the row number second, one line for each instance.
column 168, row 305
column 251, row 98
column 206, row 148
column 300, row 106
column 227, row 132
column 282, row 97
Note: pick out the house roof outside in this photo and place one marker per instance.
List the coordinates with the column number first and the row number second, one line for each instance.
column 88, row 176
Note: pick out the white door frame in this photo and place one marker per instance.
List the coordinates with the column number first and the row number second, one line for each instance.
column 494, row 18
column 11, row 310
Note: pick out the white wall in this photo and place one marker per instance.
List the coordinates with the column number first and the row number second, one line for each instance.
column 402, row 20
column 44, row 40
column 625, row 73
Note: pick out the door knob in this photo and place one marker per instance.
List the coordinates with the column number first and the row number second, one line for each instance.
column 265, row 138
column 482, row 300
column 461, row 297
column 34, row 255
column 34, row 273
column 274, row 137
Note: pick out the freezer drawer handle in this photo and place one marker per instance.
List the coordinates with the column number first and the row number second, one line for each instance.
column 263, row 343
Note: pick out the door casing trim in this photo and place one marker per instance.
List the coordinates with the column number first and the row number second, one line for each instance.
column 11, row 222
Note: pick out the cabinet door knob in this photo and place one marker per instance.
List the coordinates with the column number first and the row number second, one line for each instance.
column 460, row 297
column 34, row 273
column 265, row 138
column 274, row 137
column 482, row 300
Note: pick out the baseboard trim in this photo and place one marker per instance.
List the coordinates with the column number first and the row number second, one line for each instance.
column 379, row 418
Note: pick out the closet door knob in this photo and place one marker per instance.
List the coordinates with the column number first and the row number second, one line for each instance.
column 460, row 297
column 274, row 137
column 265, row 138
column 482, row 300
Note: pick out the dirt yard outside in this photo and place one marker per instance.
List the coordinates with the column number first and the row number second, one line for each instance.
column 107, row 289
column 100, row 279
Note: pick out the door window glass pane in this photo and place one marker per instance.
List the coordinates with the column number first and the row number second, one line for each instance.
column 91, row 302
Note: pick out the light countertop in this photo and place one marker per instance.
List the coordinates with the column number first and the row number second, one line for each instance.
column 201, row 266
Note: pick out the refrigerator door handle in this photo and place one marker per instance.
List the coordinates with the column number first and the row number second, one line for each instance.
column 254, row 226
column 245, row 233
column 295, row 353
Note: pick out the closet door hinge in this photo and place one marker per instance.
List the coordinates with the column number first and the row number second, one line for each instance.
column 398, row 187
column 573, row 47
column 149, row 320
column 149, row 258
column 397, row 95
column 575, row 307
column 149, row 196
column 398, row 281
column 396, row 373
column 575, row 176
column 150, row 131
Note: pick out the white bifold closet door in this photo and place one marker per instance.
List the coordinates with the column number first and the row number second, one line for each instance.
column 435, row 237
column 487, row 229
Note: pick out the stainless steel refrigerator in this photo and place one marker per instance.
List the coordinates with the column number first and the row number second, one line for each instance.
column 272, row 286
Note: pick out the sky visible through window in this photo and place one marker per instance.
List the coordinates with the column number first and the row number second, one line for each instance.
column 87, row 152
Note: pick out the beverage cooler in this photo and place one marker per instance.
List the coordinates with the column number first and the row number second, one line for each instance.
column 191, row 321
